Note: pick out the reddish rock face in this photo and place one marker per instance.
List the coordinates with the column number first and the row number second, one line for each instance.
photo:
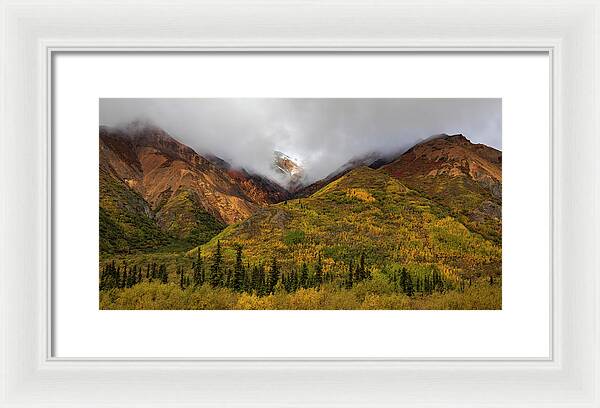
column 464, row 177
column 160, row 169
column 454, row 156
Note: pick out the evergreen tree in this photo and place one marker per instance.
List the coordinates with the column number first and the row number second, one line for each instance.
column 228, row 278
column 198, row 270
column 115, row 276
column 273, row 275
column 258, row 280
column 406, row 283
column 409, row 290
column 318, row 272
column 349, row 278
column 124, row 278
column 294, row 281
column 238, row 273
column 360, row 270
column 103, row 277
column 181, row 274
column 153, row 272
column 162, row 271
column 428, row 285
column 288, row 281
column 255, row 281
column 215, row 268
column 304, row 276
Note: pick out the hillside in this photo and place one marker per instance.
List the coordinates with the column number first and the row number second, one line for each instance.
column 365, row 212
column 179, row 230
column 148, row 178
column 371, row 160
column 464, row 177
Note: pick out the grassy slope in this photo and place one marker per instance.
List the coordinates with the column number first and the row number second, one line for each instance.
column 366, row 211
column 127, row 224
column 369, row 212
column 125, row 221
column 466, row 199
column 182, row 216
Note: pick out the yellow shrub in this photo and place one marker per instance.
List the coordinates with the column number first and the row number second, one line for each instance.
column 361, row 194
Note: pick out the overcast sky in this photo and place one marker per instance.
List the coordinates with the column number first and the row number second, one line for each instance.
column 322, row 134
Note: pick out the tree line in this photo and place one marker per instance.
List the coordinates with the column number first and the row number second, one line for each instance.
column 263, row 280
column 114, row 276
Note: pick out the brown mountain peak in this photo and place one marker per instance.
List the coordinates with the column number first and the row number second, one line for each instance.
column 457, row 138
column 449, row 155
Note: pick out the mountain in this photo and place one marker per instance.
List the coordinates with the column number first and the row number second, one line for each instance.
column 372, row 160
column 260, row 189
column 418, row 230
column 439, row 202
column 290, row 170
column 366, row 211
column 148, row 179
column 464, row 177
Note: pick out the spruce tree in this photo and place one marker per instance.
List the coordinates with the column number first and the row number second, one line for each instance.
column 293, row 281
column 198, row 270
column 124, row 278
column 255, row 280
column 238, row 273
column 215, row 268
column 318, row 272
column 273, row 275
column 409, row 290
column 404, row 279
column 103, row 277
column 181, row 273
column 349, row 278
column 360, row 272
column 162, row 271
column 304, row 276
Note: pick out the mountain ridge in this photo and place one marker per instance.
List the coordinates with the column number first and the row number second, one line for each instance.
column 188, row 197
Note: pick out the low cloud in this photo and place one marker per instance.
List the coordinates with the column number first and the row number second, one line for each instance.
column 323, row 134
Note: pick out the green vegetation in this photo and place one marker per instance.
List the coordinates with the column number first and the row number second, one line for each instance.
column 293, row 237
column 128, row 225
column 365, row 241
column 217, row 283
column 183, row 217
column 470, row 202
column 398, row 226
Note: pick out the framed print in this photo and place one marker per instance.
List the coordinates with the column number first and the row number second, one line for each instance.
column 370, row 205
column 310, row 206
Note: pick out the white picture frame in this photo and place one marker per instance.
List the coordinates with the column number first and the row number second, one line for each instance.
column 32, row 31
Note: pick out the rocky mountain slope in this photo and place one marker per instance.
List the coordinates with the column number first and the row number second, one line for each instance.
column 436, row 200
column 291, row 171
column 366, row 211
column 146, row 172
column 372, row 160
column 464, row 177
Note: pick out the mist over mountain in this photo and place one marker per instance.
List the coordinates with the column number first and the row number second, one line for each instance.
column 421, row 229
column 320, row 135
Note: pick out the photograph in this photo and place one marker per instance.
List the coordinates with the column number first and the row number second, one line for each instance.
column 300, row 204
